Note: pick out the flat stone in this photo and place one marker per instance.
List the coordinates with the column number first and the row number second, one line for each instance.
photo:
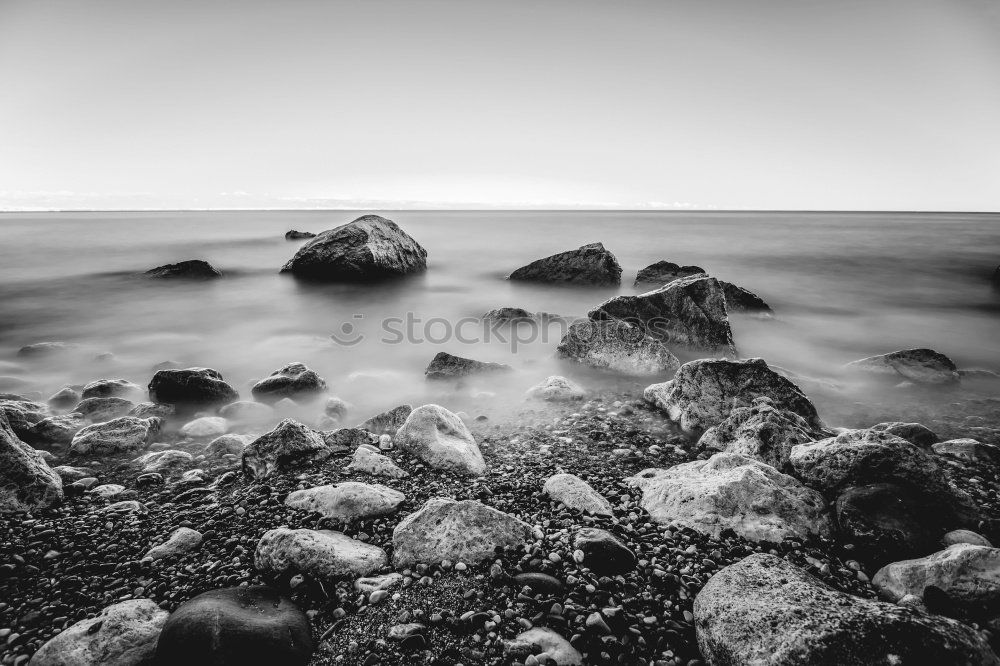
column 576, row 494
column 123, row 634
column 347, row 501
column 323, row 555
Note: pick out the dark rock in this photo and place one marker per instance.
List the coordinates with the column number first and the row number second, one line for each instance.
column 22, row 415
column 26, row 481
column 194, row 269
column 921, row 366
column 617, row 345
column 298, row 235
column 289, row 444
column 914, row 433
column 739, row 299
column 663, row 272
column 126, row 434
column 510, row 315
column 447, row 366
column 191, row 388
column 110, row 388
column 589, row 264
column 540, row 582
column 603, row 553
column 387, row 423
column 294, row 381
column 369, row 248
column 235, row 627
column 346, row 440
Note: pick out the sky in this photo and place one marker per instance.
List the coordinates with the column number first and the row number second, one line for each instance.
column 672, row 104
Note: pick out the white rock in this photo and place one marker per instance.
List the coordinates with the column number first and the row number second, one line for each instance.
column 576, row 494
column 347, row 501
column 206, row 426
column 323, row 555
column 556, row 389
column 439, row 438
column 183, row 539
column 366, row 460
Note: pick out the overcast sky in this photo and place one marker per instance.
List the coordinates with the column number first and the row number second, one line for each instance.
column 791, row 104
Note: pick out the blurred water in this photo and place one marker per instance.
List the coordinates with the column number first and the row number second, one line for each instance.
column 844, row 286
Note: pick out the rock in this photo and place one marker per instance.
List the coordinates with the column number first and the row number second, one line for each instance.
column 45, row 349
column 510, row 315
column 111, row 388
column 388, row 422
column 57, row 429
column 26, row 480
column 968, row 575
column 247, row 412
column 323, row 555
column 346, row 440
column 539, row 582
column 384, row 582
column 576, row 494
column 371, row 247
column 914, row 433
column 96, row 410
column 556, row 389
column 969, row 450
column 22, row 415
column 446, row 366
column 964, row 536
column 206, row 426
column 70, row 473
column 191, row 388
column 123, row 634
column 704, row 392
column 545, row 644
column 126, row 506
column 347, row 501
column 603, row 553
column 739, row 299
column 764, row 610
column 366, row 460
column 440, row 439
column 107, row 490
column 294, row 381
column 146, row 409
column 183, row 540
column 663, row 272
column 733, row 491
column 336, row 408
column 125, row 434
column 298, row 235
column 589, row 264
column 921, row 366
column 466, row 531
column 290, row 443
column 193, row 269
column 162, row 462
column 64, row 398
column 690, row 312
column 617, row 345
column 226, row 445
column 236, row 626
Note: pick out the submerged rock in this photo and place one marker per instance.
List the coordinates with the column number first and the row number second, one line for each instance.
column 387, row 423
column 371, row 247
column 290, row 443
column 26, row 480
column 247, row 412
column 191, row 388
column 193, row 269
column 617, row 345
column 298, row 235
column 922, row 366
column 589, row 264
column 347, row 501
column 447, row 366
column 64, row 398
column 294, row 381
column 663, row 272
column 125, row 434
column 323, row 555
column 227, row 445
column 440, row 438
column 514, row 315
column 690, row 312
column 111, row 388
column 102, row 409
column 123, row 634
column 765, row 610
column 44, row 349
column 556, row 389
column 206, row 426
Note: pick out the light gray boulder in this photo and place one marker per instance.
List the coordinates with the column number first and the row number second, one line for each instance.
column 368, row 461
column 163, row 462
column 26, row 480
column 125, row 434
column 969, row 450
column 182, row 540
column 556, row 389
column 439, row 438
column 289, row 444
column 64, row 398
column 227, row 445
column 616, row 345
column 347, row 501
column 204, row 427
column 247, row 412
column 57, row 429
column 96, row 410
column 388, row 422
column 576, row 494
column 546, row 645
column 323, row 555
column 969, row 575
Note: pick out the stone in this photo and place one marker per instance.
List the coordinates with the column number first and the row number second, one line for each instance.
column 236, row 626
column 247, row 412
column 70, row 473
column 968, row 575
column 447, row 366
column 57, row 429
column 126, row 506
column 193, row 269
column 336, row 407
column 969, row 450
column 556, row 389
column 689, row 312
column 22, row 415
column 370, row 462
column 125, row 434
column 733, row 491
column 107, row 490
column 295, row 381
column 914, row 433
column 123, row 634
column 662, row 272
column 761, row 432
column 323, row 555
column 464, row 531
column 26, row 480
column 64, row 398
column 603, row 553
column 191, row 388
column 739, row 299
column 704, row 392
column 298, row 235
column 576, row 494
column 162, row 462
column 45, row 349
column 347, row 501
column 617, row 345
column 182, row 540
column 921, row 366
column 369, row 248
column 440, row 439
column 97, row 410
column 347, row 440
column 111, row 388
column 146, row 409
column 510, row 315
column 367, row 585
column 964, row 536
column 290, row 443
column 226, row 445
column 765, row 610
column 388, row 422
column 589, row 264
column 206, row 426
column 545, row 644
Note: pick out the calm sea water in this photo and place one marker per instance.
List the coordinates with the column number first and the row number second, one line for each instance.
column 844, row 286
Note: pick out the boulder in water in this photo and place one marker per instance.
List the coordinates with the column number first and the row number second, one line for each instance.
column 191, row 388
column 617, row 345
column 369, row 248
column 388, row 422
column 123, row 634
column 46, row 349
column 556, row 389
column 96, row 410
column 125, row 434
column 298, row 235
column 294, row 381
column 26, row 480
column 57, row 429
column 247, row 412
column 739, row 299
column 921, row 366
column 510, row 315
column 206, row 426
column 193, row 269
column 111, row 388
column 440, row 438
column 290, row 443
column 64, row 398
column 662, row 272
column 323, row 555
column 914, row 433
column 590, row 264
column 448, row 366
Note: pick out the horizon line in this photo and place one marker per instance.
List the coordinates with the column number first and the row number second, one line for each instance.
column 496, row 210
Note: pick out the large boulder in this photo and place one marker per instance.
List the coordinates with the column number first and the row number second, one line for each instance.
column 508, row 315
column 556, row 389
column 111, row 388
column 921, row 366
column 388, row 422
column 22, row 415
column 26, row 480
column 733, row 491
column 64, row 398
column 347, row 501
column 294, row 381
column 323, row 555
column 191, row 388
column 125, row 434
column 739, row 299
column 704, row 392
column 617, row 345
column 764, row 610
column 193, row 269
column 448, row 366
column 588, row 264
column 662, row 272
column 123, row 634
column 236, row 626
column 370, row 247
column 38, row 350
column 689, row 312
column 466, row 531
column 440, row 439
column 576, row 494
column 289, row 444
column 57, row 429
column 968, row 575
column 347, row 440
column 761, row 432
